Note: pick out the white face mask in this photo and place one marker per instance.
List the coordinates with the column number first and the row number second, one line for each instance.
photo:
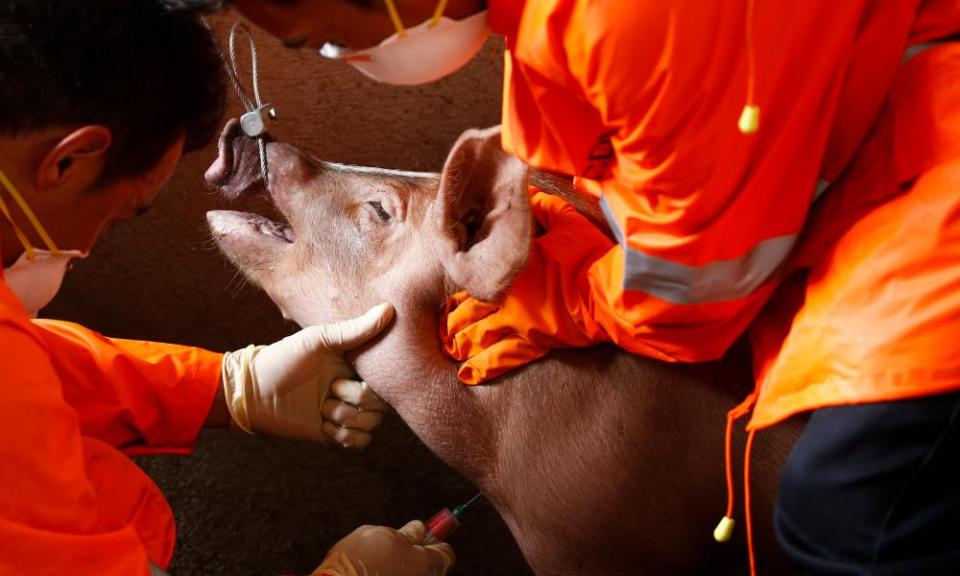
column 421, row 54
column 36, row 281
column 36, row 276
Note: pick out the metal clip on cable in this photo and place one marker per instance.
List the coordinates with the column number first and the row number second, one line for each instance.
column 253, row 123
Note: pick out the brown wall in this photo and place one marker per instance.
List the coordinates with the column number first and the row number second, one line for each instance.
column 248, row 505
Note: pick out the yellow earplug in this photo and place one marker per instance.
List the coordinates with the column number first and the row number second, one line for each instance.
column 749, row 119
column 395, row 18
column 724, row 529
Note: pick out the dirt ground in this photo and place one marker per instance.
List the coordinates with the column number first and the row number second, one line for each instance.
column 250, row 505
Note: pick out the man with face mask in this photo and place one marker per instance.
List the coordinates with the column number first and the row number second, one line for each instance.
column 707, row 130
column 99, row 100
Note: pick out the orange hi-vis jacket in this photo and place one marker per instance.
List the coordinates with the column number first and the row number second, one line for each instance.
column 640, row 101
column 71, row 404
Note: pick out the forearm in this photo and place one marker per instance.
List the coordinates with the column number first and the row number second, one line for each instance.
column 143, row 396
column 219, row 415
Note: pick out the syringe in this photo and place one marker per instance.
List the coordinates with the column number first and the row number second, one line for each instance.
column 444, row 522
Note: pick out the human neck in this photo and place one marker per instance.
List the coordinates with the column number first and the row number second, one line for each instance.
column 10, row 247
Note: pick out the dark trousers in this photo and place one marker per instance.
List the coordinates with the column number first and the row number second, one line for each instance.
column 875, row 489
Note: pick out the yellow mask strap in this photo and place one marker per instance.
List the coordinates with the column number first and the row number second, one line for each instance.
column 24, row 241
column 438, row 13
column 41, row 231
column 395, row 18
column 398, row 24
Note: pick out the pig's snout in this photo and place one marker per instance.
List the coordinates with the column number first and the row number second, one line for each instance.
column 219, row 172
column 237, row 167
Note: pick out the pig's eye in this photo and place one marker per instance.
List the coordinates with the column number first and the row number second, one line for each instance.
column 383, row 214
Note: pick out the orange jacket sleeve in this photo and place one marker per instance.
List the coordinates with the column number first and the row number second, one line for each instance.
column 48, row 508
column 142, row 397
column 704, row 214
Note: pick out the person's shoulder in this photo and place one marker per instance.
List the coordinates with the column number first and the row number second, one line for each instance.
column 28, row 381
column 622, row 30
column 628, row 16
column 16, row 329
column 598, row 17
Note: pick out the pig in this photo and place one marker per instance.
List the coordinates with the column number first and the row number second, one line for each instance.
column 599, row 461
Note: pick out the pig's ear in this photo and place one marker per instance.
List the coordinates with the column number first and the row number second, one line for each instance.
column 483, row 214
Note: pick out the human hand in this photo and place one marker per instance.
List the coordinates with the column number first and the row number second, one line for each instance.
column 546, row 307
column 382, row 551
column 282, row 389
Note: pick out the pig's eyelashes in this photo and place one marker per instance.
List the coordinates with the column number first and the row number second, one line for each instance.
column 378, row 207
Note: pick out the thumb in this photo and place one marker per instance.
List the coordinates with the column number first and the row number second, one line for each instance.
column 551, row 210
column 437, row 558
column 351, row 333
column 413, row 531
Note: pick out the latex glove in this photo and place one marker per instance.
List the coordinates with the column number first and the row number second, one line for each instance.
column 382, row 551
column 546, row 307
column 282, row 389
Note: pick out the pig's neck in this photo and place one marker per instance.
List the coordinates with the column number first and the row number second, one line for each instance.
column 408, row 369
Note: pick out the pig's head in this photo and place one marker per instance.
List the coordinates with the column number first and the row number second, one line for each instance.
column 354, row 237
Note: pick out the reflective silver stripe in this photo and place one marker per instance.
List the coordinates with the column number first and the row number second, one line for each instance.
column 612, row 221
column 822, row 186
column 154, row 571
column 913, row 51
column 714, row 282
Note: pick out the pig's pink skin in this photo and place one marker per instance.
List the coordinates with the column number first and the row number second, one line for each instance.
column 600, row 462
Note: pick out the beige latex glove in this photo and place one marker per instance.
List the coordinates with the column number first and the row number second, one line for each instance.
column 382, row 551
column 282, row 389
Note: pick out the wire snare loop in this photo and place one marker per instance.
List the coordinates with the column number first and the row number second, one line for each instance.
column 252, row 123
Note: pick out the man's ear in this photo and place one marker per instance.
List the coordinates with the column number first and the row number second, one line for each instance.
column 483, row 215
column 76, row 161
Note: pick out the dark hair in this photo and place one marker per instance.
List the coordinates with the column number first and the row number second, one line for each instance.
column 208, row 6
column 205, row 6
column 147, row 70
